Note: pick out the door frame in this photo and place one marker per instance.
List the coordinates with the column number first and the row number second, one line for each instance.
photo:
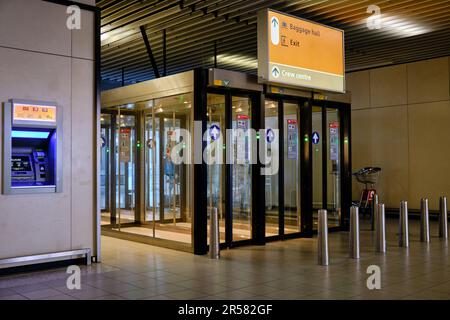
column 113, row 170
column 255, row 100
column 305, row 102
column 182, row 118
column 344, row 113
column 304, row 165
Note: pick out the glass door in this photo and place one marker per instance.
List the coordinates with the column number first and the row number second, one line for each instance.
column 333, row 167
column 229, row 165
column 326, row 164
column 166, row 176
column 125, row 166
column 105, row 177
column 242, row 168
column 216, row 168
column 105, row 168
column 152, row 169
column 292, row 160
column 272, row 206
column 172, row 173
column 118, row 169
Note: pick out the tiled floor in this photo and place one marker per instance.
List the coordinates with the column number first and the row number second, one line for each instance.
column 280, row 270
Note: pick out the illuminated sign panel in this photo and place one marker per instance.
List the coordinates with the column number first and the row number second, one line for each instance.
column 29, row 112
column 300, row 53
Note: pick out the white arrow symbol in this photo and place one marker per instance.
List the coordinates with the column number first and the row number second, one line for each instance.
column 214, row 132
column 316, row 138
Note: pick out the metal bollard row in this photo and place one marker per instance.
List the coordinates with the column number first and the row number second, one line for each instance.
column 379, row 224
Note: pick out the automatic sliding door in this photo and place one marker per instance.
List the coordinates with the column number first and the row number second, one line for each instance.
column 242, row 168
column 105, row 172
column 317, row 162
column 326, row 164
column 167, row 175
column 216, row 128
column 333, row 168
column 125, row 162
column 172, row 172
column 291, row 168
column 152, row 169
column 272, row 209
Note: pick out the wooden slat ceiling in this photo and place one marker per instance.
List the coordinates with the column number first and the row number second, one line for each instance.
column 412, row 30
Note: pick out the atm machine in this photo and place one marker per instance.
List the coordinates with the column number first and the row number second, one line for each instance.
column 32, row 158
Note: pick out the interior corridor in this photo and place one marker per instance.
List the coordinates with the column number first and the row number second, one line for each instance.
column 279, row 270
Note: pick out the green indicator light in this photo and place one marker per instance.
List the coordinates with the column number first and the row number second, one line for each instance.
column 224, row 147
column 306, row 138
column 346, row 140
column 257, row 136
column 138, row 144
column 107, row 150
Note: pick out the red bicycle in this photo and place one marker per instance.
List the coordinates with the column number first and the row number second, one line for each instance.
column 369, row 177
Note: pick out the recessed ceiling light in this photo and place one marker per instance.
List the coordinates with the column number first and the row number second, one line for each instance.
column 401, row 27
column 237, row 60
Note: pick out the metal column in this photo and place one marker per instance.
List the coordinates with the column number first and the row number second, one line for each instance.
column 323, row 253
column 214, row 241
column 403, row 240
column 443, row 218
column 424, row 221
column 380, row 229
column 374, row 208
column 354, row 232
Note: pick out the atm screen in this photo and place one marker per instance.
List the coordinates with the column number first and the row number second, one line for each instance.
column 21, row 163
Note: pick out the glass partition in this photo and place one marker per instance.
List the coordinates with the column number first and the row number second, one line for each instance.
column 291, row 168
column 242, row 169
column 152, row 147
column 271, row 181
column 333, row 168
column 317, row 156
column 216, row 139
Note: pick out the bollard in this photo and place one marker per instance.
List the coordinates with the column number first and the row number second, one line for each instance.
column 214, row 236
column 354, row 232
column 403, row 240
column 443, row 228
column 424, row 221
column 380, row 229
column 374, row 208
column 322, row 230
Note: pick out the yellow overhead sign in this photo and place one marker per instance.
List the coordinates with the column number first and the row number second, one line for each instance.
column 300, row 53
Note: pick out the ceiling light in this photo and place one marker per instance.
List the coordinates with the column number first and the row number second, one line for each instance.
column 401, row 27
column 115, row 35
column 237, row 60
